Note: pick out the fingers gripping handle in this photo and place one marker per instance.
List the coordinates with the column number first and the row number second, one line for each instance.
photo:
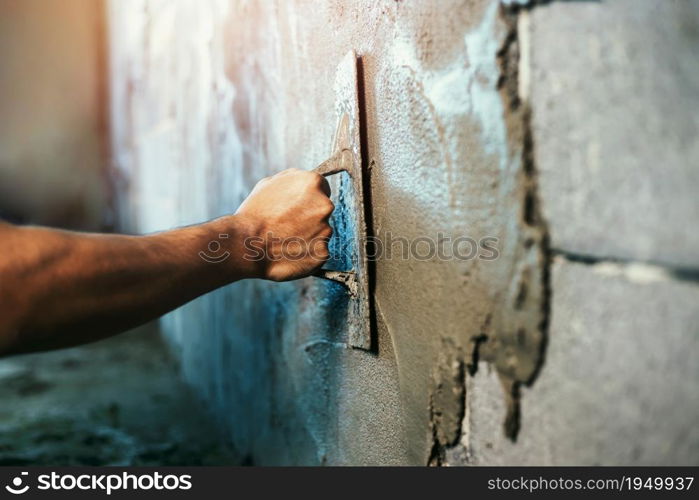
column 340, row 161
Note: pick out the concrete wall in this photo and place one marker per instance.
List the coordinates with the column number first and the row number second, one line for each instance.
column 564, row 129
column 52, row 112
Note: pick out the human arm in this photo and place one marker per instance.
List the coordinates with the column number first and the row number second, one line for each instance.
column 61, row 288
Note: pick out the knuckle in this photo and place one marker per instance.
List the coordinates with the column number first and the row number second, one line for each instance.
column 287, row 171
column 309, row 179
column 326, row 206
column 315, row 179
column 322, row 254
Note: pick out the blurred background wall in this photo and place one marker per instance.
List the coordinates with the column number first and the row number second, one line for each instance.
column 116, row 402
column 52, row 112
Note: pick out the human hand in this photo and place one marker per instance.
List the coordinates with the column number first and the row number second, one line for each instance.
column 288, row 215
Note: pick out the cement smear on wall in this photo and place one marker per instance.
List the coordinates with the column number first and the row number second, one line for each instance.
column 248, row 92
column 211, row 96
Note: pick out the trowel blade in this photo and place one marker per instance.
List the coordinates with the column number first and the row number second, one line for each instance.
column 348, row 137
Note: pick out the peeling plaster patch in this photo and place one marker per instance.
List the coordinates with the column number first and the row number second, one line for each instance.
column 447, row 402
column 460, row 452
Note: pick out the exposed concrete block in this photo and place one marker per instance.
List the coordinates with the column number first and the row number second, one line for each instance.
column 619, row 382
column 615, row 89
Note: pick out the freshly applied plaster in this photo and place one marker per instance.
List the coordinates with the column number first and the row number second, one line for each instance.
column 199, row 119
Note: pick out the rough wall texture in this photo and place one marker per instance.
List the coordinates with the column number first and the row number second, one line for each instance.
column 483, row 119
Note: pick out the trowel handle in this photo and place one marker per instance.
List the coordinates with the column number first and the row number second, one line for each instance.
column 348, row 279
column 334, row 165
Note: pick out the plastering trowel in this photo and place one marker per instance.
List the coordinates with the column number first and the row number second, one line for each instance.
column 347, row 157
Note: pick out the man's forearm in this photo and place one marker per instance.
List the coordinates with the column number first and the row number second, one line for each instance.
column 63, row 288
column 59, row 288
